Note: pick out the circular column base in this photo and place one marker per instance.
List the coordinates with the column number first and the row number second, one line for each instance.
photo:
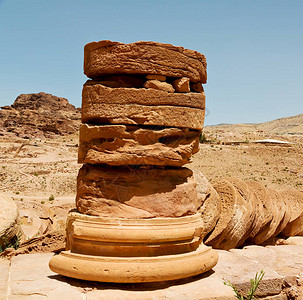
column 134, row 269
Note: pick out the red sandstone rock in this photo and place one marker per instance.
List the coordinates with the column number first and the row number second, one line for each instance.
column 161, row 115
column 159, row 85
column 125, row 192
column 132, row 145
column 181, row 85
column 107, row 57
column 98, row 94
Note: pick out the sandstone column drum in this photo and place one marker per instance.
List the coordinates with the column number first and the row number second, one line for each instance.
column 137, row 216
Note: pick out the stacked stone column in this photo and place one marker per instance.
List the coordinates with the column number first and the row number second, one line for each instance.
column 137, row 216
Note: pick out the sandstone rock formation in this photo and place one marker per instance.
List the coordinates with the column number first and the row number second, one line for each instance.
column 39, row 115
column 138, row 215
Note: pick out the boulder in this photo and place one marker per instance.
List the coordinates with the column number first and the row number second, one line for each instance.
column 107, row 57
column 132, row 145
column 9, row 227
column 94, row 92
column 134, row 192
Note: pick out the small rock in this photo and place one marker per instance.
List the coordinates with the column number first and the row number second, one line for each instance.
column 156, row 77
column 197, row 87
column 158, row 85
column 181, row 85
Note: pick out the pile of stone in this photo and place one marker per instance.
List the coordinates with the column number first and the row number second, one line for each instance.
column 253, row 214
column 138, row 209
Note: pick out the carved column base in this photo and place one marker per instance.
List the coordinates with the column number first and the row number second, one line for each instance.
column 133, row 250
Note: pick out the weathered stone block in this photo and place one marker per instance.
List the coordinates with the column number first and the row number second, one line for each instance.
column 107, row 57
column 118, row 145
column 132, row 192
column 170, row 116
column 96, row 93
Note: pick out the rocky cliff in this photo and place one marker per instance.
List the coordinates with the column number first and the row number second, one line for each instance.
column 39, row 115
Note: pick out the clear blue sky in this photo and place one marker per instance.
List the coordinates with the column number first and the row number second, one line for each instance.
column 254, row 49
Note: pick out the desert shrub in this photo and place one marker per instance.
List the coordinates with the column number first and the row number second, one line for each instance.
column 254, row 283
column 202, row 138
column 13, row 243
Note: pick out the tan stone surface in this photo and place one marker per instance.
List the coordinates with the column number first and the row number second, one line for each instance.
column 118, row 237
column 156, row 77
column 171, row 116
column 134, row 269
column 286, row 260
column 95, row 93
column 293, row 240
column 4, row 271
column 107, row 57
column 203, row 287
column 8, row 219
column 181, row 85
column 31, row 278
column 240, row 269
column 136, row 192
column 237, row 268
column 134, row 145
column 159, row 85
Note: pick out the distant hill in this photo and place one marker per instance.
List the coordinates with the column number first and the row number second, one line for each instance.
column 287, row 125
column 39, row 115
